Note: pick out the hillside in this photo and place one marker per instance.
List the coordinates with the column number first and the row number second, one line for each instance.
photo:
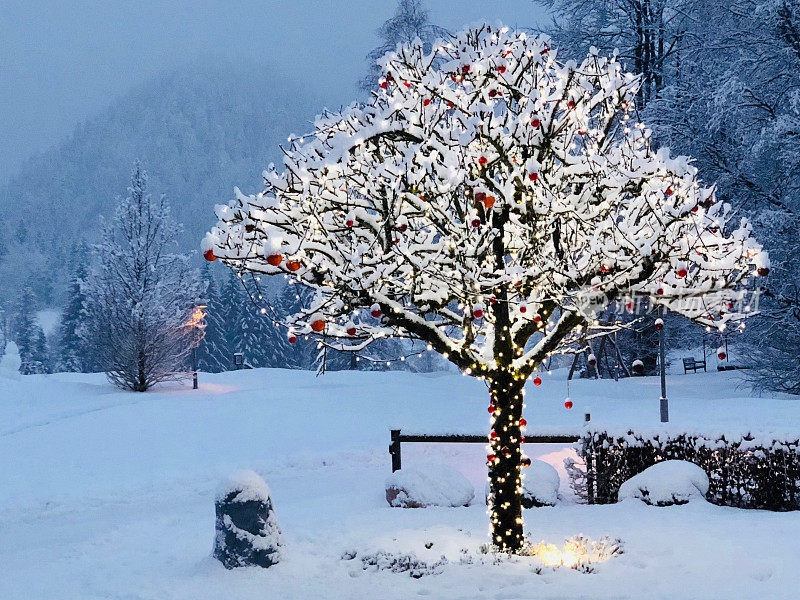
column 198, row 131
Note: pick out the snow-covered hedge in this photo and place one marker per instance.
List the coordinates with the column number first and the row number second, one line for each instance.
column 744, row 470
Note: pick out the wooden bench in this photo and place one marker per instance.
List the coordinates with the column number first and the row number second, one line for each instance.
column 689, row 363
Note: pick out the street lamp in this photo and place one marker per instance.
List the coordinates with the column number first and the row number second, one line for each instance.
column 663, row 400
column 197, row 322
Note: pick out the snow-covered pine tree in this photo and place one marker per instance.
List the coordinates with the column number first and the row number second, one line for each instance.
column 30, row 339
column 230, row 305
column 213, row 353
column 409, row 22
column 73, row 354
column 140, row 294
column 475, row 206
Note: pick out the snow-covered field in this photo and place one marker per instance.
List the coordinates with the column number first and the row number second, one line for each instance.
column 106, row 494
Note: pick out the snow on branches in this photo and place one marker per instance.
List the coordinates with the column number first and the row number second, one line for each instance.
column 478, row 199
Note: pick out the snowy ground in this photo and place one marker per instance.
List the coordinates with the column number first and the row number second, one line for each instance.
column 105, row 494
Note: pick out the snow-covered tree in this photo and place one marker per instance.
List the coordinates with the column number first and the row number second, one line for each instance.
column 489, row 201
column 650, row 35
column 30, row 338
column 213, row 353
column 140, row 294
column 410, row 21
column 73, row 355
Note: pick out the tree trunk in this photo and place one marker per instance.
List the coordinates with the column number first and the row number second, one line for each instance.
column 504, row 473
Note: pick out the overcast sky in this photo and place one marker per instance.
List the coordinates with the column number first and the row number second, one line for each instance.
column 63, row 61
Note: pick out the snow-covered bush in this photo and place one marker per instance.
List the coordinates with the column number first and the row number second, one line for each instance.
column 247, row 531
column 666, row 484
column 539, row 486
column 397, row 563
column 744, row 469
column 429, row 485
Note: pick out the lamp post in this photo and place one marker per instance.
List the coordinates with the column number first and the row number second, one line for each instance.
column 197, row 322
column 663, row 400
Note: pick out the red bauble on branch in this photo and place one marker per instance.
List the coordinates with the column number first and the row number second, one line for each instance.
column 318, row 325
column 209, row 255
column 275, row 259
column 293, row 265
column 568, row 403
column 537, row 380
column 375, row 310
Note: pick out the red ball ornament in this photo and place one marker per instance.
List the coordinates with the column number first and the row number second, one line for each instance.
column 477, row 313
column 523, row 309
column 668, row 192
column 384, row 84
column 522, row 422
column 292, row 339
column 492, row 93
column 465, row 69
column 763, row 271
column 318, row 325
column 536, row 122
column 571, row 104
column 375, row 311
column 537, row 381
column 426, row 102
column 525, row 462
column 489, row 202
column 351, row 331
column 533, row 176
column 501, row 68
column 682, row 273
column 490, row 458
column 722, row 355
column 476, row 223
column 293, row 265
column 592, row 360
column 480, row 197
column 568, row 404
column 402, row 227
column 537, row 319
column 275, row 259
column 349, row 222
column 209, row 255
column 659, row 324
column 604, row 268
column 483, row 160
column 493, row 435
column 695, row 208
column 492, row 408
column 660, row 292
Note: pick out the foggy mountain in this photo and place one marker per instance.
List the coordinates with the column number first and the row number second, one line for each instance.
column 198, row 131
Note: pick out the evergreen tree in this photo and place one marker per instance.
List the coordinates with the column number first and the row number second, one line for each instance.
column 213, row 354
column 30, row 338
column 230, row 304
column 73, row 354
